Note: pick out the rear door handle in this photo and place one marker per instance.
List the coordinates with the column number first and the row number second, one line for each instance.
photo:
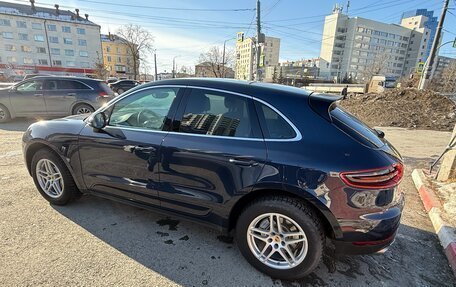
column 243, row 162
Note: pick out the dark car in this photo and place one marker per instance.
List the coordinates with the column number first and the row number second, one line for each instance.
column 53, row 96
column 286, row 171
column 123, row 85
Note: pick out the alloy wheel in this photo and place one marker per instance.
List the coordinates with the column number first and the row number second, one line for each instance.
column 2, row 114
column 49, row 178
column 277, row 241
column 83, row 110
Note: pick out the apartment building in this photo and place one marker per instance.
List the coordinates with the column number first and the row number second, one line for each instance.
column 205, row 70
column 43, row 40
column 117, row 57
column 351, row 47
column 294, row 70
column 442, row 63
column 246, row 56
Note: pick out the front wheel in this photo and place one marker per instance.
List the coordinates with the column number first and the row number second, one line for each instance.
column 5, row 116
column 83, row 109
column 280, row 236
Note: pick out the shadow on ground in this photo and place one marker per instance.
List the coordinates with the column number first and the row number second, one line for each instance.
column 17, row 124
column 189, row 254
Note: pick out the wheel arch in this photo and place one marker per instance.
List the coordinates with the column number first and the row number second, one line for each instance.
column 329, row 222
column 78, row 103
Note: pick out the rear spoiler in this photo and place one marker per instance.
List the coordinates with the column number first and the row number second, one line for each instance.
column 322, row 104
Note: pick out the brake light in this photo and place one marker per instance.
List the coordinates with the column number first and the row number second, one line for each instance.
column 375, row 178
column 103, row 94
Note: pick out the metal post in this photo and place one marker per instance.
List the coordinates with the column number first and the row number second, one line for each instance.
column 257, row 62
column 155, row 63
column 428, row 68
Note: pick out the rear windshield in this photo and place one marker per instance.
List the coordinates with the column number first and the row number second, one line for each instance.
column 106, row 88
column 355, row 128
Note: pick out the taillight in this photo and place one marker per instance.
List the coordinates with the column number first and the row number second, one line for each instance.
column 103, row 94
column 374, row 178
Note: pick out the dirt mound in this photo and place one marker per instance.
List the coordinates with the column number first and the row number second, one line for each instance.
column 407, row 108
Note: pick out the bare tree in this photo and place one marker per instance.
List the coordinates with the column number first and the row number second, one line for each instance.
column 217, row 64
column 187, row 70
column 448, row 78
column 377, row 67
column 101, row 72
column 139, row 43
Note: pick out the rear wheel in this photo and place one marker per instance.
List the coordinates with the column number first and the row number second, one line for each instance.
column 5, row 115
column 120, row 91
column 280, row 236
column 83, row 109
column 52, row 178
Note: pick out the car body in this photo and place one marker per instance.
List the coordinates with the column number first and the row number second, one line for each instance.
column 224, row 153
column 111, row 80
column 53, row 96
column 123, row 85
column 29, row 76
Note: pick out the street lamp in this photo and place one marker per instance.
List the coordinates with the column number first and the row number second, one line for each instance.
column 174, row 66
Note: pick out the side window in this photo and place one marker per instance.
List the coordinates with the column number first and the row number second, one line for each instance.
column 50, row 85
column 30, row 86
column 216, row 113
column 145, row 109
column 64, row 85
column 274, row 125
column 79, row 86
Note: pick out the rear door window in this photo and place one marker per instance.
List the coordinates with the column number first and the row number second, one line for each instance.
column 274, row 125
column 355, row 128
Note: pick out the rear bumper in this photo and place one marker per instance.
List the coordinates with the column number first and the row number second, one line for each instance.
column 371, row 234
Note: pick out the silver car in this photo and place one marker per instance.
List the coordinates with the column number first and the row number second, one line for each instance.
column 51, row 96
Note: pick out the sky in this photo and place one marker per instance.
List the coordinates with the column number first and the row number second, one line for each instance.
column 184, row 29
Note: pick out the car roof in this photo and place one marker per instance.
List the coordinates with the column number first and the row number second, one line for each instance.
column 259, row 90
column 62, row 78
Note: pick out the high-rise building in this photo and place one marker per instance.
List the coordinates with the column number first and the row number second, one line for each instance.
column 36, row 39
column 430, row 23
column 357, row 47
column 117, row 57
column 246, row 56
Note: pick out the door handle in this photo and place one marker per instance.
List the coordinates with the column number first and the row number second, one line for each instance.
column 38, row 95
column 243, row 162
column 133, row 148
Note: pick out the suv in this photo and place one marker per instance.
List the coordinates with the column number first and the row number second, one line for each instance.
column 53, row 96
column 123, row 85
column 286, row 171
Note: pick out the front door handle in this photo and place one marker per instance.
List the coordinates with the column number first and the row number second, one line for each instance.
column 133, row 148
column 243, row 162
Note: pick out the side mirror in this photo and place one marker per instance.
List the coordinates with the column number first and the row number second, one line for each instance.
column 98, row 121
column 379, row 133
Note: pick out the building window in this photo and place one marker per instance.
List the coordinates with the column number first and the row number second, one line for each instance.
column 82, row 42
column 9, row 47
column 56, row 62
column 26, row 49
column 53, row 39
column 85, row 65
column 37, row 26
column 71, row 64
column 83, row 54
column 39, row 38
column 55, row 51
column 81, row 31
column 11, row 59
column 52, row 27
column 69, row 52
column 68, row 41
column 119, row 60
column 28, row 61
column 108, row 49
column 23, row 36
column 41, row 50
column 21, row 24
column 42, row 62
column 66, row 29
column 109, row 58
column 7, row 35
column 118, row 50
column 5, row 22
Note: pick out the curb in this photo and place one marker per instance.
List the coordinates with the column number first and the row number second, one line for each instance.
column 444, row 231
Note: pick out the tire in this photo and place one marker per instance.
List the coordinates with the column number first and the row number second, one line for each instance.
column 82, row 109
column 69, row 190
column 5, row 115
column 120, row 91
column 293, row 214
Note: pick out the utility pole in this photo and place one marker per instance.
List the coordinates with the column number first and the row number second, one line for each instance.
column 155, row 63
column 258, row 52
column 430, row 61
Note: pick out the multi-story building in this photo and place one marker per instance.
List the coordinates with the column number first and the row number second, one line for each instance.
column 294, row 70
column 205, row 70
column 117, row 57
column 42, row 40
column 442, row 63
column 430, row 23
column 246, row 56
column 353, row 47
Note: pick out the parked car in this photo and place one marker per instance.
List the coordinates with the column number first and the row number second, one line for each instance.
column 123, row 85
column 286, row 171
column 111, row 80
column 53, row 96
column 29, row 76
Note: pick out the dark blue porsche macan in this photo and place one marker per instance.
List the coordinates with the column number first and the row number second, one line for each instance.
column 286, row 171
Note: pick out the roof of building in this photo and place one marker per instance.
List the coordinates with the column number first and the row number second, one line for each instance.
column 112, row 38
column 42, row 12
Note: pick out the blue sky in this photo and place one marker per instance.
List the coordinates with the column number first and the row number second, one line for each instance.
column 193, row 29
